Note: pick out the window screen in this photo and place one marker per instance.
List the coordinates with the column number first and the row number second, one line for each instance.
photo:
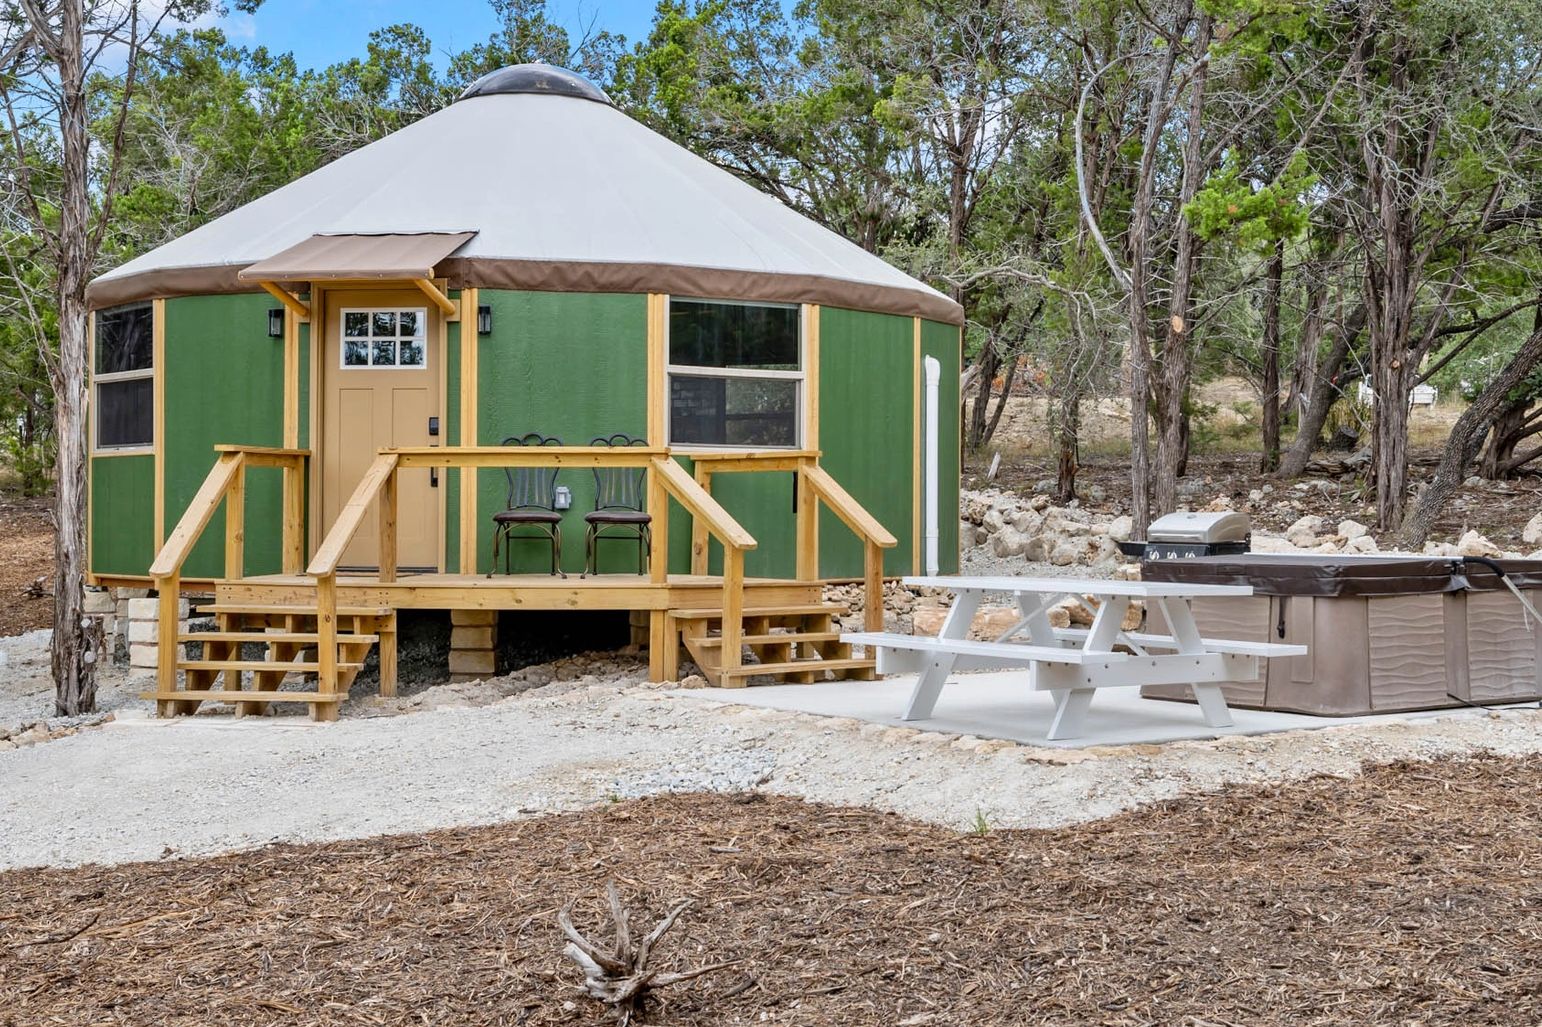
column 735, row 374
column 124, row 372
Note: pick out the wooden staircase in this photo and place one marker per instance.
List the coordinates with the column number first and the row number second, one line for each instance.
column 222, row 670
column 799, row 644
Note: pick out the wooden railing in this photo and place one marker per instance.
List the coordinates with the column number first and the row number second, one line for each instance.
column 378, row 488
column 225, row 483
column 815, row 485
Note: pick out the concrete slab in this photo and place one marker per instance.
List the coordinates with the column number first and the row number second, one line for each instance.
column 995, row 705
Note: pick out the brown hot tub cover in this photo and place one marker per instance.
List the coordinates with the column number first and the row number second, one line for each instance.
column 1328, row 576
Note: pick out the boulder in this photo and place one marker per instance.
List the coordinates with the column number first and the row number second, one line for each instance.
column 1351, row 530
column 1120, row 527
column 1064, row 554
column 1028, row 522
column 993, row 521
column 1361, row 544
column 1009, row 542
column 1474, row 544
column 1037, row 550
column 1303, row 534
column 1532, row 533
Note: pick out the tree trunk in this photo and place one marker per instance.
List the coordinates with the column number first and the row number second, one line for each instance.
column 1511, row 427
column 989, row 364
column 1305, row 370
column 1466, row 437
column 1271, row 354
column 1001, row 404
column 74, row 665
column 1067, row 434
column 1321, row 391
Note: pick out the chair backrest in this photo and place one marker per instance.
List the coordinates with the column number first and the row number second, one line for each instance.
column 619, row 488
column 531, row 488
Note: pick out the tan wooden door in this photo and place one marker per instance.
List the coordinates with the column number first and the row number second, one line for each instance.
column 380, row 368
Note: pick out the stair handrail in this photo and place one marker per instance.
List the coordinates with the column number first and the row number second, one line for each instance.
column 875, row 538
column 669, row 478
column 225, row 482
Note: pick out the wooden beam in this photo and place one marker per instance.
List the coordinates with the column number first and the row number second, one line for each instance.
column 166, row 640
column 439, row 299
column 235, row 525
column 326, row 644
column 470, row 344
column 811, row 376
column 291, row 382
column 700, row 548
column 525, row 456
column 292, row 559
column 158, row 414
column 807, row 547
column 698, row 503
column 872, row 582
column 291, row 302
column 658, row 359
column 732, row 621
column 658, row 509
column 388, row 494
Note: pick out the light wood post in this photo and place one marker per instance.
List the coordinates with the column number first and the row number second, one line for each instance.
column 808, row 528
column 701, row 542
column 658, row 510
column 326, row 645
column 663, row 647
column 872, row 575
column 733, row 607
column 386, row 629
column 294, row 516
column 388, row 493
column 167, row 588
column 235, row 524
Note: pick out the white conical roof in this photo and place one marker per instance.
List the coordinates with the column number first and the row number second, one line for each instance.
column 563, row 192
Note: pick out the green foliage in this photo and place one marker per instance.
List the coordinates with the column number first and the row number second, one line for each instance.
column 1255, row 216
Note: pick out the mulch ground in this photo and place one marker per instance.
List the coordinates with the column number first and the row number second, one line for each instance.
column 26, row 554
column 1408, row 896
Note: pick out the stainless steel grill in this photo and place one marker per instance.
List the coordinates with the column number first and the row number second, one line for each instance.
column 1178, row 535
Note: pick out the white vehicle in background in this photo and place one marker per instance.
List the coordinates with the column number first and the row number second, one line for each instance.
column 1418, row 396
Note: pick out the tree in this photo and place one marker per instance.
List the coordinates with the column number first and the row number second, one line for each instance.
column 64, row 192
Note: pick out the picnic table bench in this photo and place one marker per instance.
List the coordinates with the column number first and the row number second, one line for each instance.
column 1072, row 663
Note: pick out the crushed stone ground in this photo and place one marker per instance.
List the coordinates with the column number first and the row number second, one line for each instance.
column 138, row 788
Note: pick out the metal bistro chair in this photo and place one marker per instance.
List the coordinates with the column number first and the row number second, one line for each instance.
column 620, row 501
column 531, row 503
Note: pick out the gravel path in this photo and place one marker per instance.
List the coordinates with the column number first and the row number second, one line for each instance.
column 138, row 788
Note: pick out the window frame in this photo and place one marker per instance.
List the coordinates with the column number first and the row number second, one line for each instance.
column 396, row 310
column 697, row 371
column 99, row 379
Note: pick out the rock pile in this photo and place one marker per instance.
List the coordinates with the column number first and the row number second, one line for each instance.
column 1017, row 529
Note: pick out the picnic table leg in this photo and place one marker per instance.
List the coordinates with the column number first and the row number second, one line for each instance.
column 929, row 683
column 1071, row 707
column 1211, row 700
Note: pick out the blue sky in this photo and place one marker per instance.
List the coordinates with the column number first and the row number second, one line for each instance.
column 321, row 32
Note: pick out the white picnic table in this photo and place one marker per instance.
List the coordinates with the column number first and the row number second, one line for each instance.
column 1073, row 663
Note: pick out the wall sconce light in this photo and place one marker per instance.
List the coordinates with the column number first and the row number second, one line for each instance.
column 276, row 323
column 484, row 320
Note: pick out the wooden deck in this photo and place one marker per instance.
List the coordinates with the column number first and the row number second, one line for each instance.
column 434, row 591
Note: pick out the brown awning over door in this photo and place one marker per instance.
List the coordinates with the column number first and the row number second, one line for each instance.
column 384, row 257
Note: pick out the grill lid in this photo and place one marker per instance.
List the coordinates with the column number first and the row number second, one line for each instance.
column 1225, row 526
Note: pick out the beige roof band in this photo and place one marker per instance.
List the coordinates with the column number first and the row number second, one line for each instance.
column 565, row 276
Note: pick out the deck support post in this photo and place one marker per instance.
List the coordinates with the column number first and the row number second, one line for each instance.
column 733, row 606
column 663, row 647
column 235, row 525
column 326, row 645
column 658, row 510
column 807, row 528
column 701, row 543
column 388, row 493
column 167, row 588
column 294, row 516
column 872, row 576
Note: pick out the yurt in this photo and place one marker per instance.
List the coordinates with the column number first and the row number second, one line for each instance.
column 528, row 268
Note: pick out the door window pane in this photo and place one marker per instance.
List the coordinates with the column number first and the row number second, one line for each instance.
column 356, row 323
column 385, row 353
column 385, row 338
column 411, row 353
column 125, row 412
column 355, row 352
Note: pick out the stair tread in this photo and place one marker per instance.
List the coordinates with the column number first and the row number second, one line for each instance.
column 714, row 641
column 299, row 611
column 762, row 611
column 298, row 667
column 795, row 667
column 247, row 696
column 270, row 636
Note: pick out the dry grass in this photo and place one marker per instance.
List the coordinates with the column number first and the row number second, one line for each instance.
column 26, row 554
column 1407, row 896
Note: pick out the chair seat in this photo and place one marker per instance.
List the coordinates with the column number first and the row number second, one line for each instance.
column 527, row 517
column 618, row 517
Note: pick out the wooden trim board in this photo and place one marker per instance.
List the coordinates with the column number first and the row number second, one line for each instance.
column 158, row 431
column 470, row 343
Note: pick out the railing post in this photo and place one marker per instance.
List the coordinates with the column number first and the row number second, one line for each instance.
column 658, row 511
column 733, row 606
column 326, row 644
column 700, row 541
column 388, row 493
column 872, row 574
column 235, row 523
column 168, row 590
column 293, row 560
column 808, row 526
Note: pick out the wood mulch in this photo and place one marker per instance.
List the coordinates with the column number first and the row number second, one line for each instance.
column 1408, row 896
column 26, row 554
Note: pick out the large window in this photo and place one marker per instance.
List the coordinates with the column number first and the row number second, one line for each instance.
column 385, row 338
column 735, row 374
column 124, row 374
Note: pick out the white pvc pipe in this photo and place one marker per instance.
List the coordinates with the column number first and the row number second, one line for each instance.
column 933, row 369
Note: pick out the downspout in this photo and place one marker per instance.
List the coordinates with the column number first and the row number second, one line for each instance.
column 933, row 382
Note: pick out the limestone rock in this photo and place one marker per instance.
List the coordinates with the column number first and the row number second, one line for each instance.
column 1351, row 530
column 1064, row 554
column 1009, row 542
column 1362, row 544
column 1303, row 533
column 1474, row 544
column 1120, row 527
column 1532, row 533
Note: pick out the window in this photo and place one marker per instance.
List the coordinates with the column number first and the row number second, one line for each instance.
column 385, row 338
column 735, row 374
column 124, row 377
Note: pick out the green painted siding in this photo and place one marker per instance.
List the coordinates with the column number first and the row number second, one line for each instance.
column 866, row 415
column 224, row 384
column 122, row 514
column 942, row 341
column 573, row 365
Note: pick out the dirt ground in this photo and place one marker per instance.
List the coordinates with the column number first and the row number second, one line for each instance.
column 26, row 554
column 1407, row 895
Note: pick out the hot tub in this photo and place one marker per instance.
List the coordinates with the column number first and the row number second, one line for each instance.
column 1384, row 633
